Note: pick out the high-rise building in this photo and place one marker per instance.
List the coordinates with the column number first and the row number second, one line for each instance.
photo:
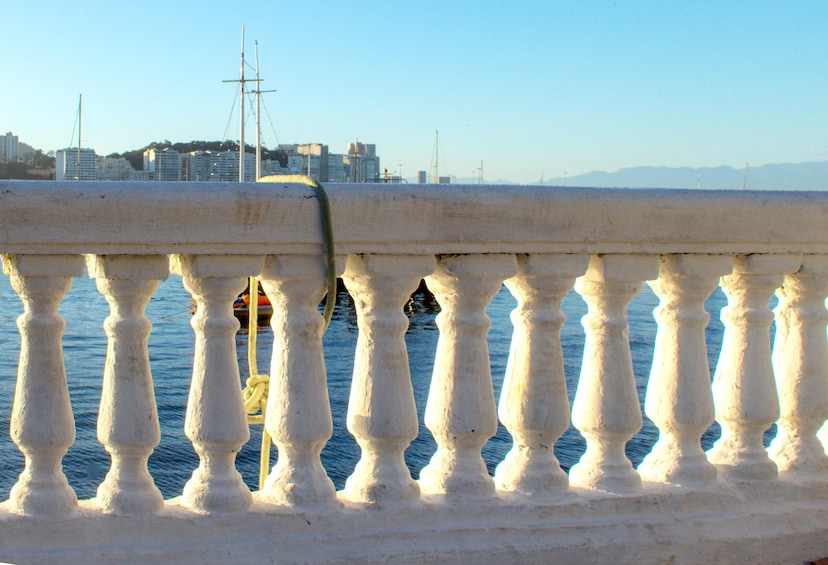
column 109, row 168
column 225, row 166
column 8, row 147
column 164, row 164
column 362, row 163
column 75, row 164
column 196, row 166
column 336, row 167
column 314, row 161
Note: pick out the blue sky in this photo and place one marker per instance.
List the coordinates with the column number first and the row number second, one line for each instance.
column 529, row 88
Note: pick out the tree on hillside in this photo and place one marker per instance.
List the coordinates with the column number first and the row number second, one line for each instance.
column 136, row 156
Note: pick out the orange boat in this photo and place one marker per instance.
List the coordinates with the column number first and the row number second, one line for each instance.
column 241, row 306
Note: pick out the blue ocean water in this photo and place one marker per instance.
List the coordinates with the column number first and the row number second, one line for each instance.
column 171, row 349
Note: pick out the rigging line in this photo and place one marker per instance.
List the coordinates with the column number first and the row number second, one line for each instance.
column 230, row 117
column 74, row 129
column 270, row 121
column 250, row 112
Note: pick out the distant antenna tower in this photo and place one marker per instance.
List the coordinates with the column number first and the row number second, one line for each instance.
column 747, row 181
column 480, row 174
column 435, row 158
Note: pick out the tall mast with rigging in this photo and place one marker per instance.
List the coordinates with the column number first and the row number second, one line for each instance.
column 80, row 127
column 258, row 120
column 241, row 82
column 258, row 92
column 241, row 112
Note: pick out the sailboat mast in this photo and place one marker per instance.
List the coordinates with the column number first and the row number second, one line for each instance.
column 258, row 117
column 436, row 156
column 80, row 126
column 241, row 112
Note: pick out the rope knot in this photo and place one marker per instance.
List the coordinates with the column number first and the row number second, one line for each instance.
column 255, row 394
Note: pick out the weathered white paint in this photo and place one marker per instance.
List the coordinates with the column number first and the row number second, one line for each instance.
column 533, row 405
column 460, row 412
column 128, row 420
column 41, row 424
column 682, row 512
column 606, row 409
column 679, row 399
column 800, row 364
column 382, row 415
column 298, row 412
column 743, row 385
column 216, row 422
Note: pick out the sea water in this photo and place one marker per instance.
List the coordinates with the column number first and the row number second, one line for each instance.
column 171, row 352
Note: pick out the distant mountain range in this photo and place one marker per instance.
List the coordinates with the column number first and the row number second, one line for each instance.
column 787, row 176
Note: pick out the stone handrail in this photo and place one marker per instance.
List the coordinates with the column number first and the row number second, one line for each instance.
column 737, row 502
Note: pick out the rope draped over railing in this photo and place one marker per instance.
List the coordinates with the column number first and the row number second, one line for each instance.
column 257, row 385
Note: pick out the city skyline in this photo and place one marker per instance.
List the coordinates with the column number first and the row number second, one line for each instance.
column 530, row 89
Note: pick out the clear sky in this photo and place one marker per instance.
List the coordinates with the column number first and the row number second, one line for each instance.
column 529, row 88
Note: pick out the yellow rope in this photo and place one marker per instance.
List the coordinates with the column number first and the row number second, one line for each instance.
column 257, row 385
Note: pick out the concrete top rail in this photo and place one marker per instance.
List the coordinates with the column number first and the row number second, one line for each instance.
column 151, row 217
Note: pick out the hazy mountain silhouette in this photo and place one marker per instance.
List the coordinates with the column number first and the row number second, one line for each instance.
column 787, row 176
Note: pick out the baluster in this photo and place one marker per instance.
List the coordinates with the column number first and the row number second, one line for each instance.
column 128, row 421
column 800, row 363
column 744, row 392
column 298, row 410
column 606, row 409
column 382, row 415
column 534, row 405
column 42, row 425
column 216, row 422
column 679, row 397
column 460, row 411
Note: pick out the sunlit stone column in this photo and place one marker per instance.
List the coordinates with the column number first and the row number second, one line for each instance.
column 298, row 410
column 744, row 391
column 216, row 421
column 534, row 405
column 800, row 364
column 41, row 424
column 606, row 409
column 382, row 415
column 460, row 411
column 128, row 421
column 679, row 397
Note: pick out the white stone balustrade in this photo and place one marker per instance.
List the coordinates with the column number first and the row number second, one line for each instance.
column 744, row 389
column 216, row 422
column 679, row 398
column 42, row 425
column 534, row 405
column 382, row 415
column 461, row 412
column 606, row 409
column 298, row 411
column 737, row 502
column 800, row 364
column 128, row 420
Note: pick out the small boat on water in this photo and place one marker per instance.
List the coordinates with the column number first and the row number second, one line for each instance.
column 241, row 306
